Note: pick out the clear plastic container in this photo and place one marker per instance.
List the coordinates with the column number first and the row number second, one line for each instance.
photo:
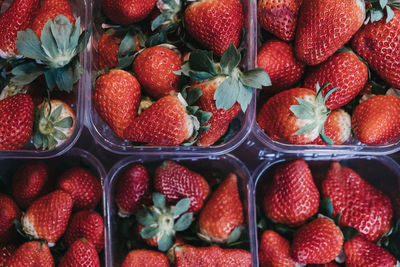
column 104, row 136
column 82, row 9
column 115, row 251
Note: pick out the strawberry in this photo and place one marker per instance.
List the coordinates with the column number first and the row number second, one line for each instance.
column 319, row 241
column 154, row 69
column 84, row 188
column 323, row 26
column 377, row 120
column 215, row 24
column 86, row 224
column 116, row 99
column 279, row 17
column 145, row 258
column 127, row 12
column 337, row 127
column 132, row 189
column 331, row 264
column 277, row 59
column 30, row 182
column 274, row 250
column 222, row 213
column 344, row 70
column 176, row 181
column 48, row 216
column 6, row 251
column 293, row 197
column 16, row 114
column 31, row 254
column 9, row 212
column 81, row 253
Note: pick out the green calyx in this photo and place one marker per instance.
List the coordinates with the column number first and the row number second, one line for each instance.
column 170, row 13
column 163, row 222
column 56, row 54
column 377, row 8
column 127, row 48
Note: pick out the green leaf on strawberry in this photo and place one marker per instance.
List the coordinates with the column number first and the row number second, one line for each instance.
column 376, row 10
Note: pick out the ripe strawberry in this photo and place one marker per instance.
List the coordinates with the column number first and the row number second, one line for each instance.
column 86, row 224
column 145, row 258
column 31, row 254
column 319, row 241
column 360, row 252
column 84, row 188
column 116, row 99
column 278, row 60
column 337, row 127
column 81, row 253
column 30, row 182
column 127, row 12
column 16, row 18
column 176, row 181
column 293, row 197
column 275, row 250
column 48, row 216
column 16, row 114
column 344, row 70
column 279, row 17
column 9, row 212
column 215, row 24
column 377, row 120
column 222, row 213
column 324, row 26
column 154, row 68
column 6, row 251
column 132, row 188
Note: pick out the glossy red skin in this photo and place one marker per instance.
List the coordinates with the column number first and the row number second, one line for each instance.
column 145, row 258
column 279, row 17
column 323, row 26
column 16, row 115
column 31, row 254
column 9, row 212
column 215, row 24
column 377, row 120
column 335, row 128
column 175, row 182
column 6, row 251
column 81, row 253
column 379, row 44
column 84, row 188
column 86, row 224
column 360, row 252
column 154, row 68
column 319, row 241
column 278, row 60
column 274, row 250
column 116, row 99
column 16, row 18
column 293, row 197
column 127, row 11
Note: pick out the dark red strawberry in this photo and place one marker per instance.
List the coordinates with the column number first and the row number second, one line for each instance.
column 126, row 12
column 31, row 254
column 274, row 250
column 6, row 251
column 9, row 212
column 142, row 258
column 81, row 253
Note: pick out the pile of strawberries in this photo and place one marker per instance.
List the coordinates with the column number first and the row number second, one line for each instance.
column 53, row 213
column 313, row 218
column 334, row 70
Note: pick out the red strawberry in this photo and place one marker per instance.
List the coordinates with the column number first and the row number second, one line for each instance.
column 9, row 212
column 6, row 251
column 279, row 17
column 84, row 188
column 31, row 254
column 222, row 213
column 324, row 26
column 81, row 253
column 132, row 188
column 127, row 12
column 16, row 114
column 86, row 224
column 30, row 182
column 144, row 258
column 337, row 127
column 344, row 70
column 293, row 197
column 116, row 99
column 319, row 241
column 154, row 68
column 176, row 182
column 360, row 252
column 275, row 250
column 215, row 24
column 278, row 60
column 48, row 216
